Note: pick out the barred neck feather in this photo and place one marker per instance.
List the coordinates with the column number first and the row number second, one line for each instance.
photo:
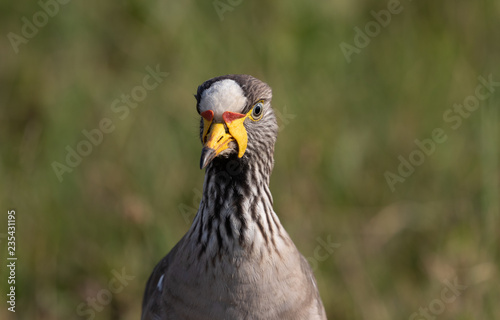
column 236, row 215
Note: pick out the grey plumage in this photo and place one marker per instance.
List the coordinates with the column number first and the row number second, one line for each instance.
column 236, row 261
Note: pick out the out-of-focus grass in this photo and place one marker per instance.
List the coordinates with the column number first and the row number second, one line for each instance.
column 120, row 207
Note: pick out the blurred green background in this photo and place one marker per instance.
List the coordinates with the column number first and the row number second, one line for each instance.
column 343, row 126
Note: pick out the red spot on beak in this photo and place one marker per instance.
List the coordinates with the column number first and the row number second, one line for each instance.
column 229, row 116
column 207, row 115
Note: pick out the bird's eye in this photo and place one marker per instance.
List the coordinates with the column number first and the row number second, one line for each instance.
column 257, row 111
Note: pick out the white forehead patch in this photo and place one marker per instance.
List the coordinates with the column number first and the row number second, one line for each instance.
column 222, row 96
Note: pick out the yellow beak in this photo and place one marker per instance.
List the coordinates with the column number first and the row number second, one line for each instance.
column 217, row 139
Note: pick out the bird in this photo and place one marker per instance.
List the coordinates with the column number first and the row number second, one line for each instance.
column 236, row 261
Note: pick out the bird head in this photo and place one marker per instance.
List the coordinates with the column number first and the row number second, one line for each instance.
column 236, row 118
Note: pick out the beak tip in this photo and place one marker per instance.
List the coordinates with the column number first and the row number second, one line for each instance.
column 207, row 155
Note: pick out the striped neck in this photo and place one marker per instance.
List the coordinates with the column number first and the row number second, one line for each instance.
column 236, row 215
